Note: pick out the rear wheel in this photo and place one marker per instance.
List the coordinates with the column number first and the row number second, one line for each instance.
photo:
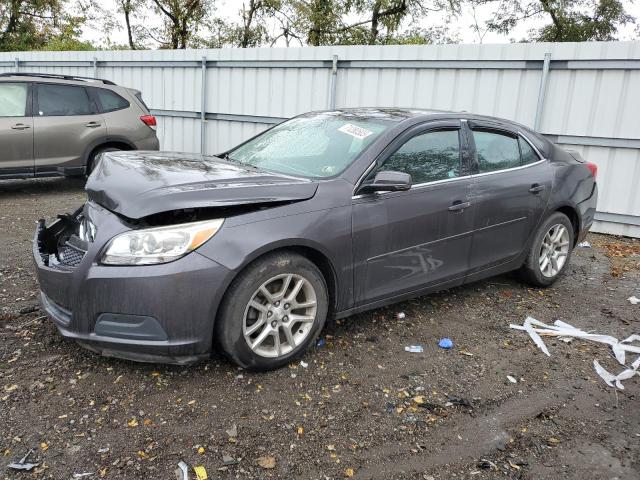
column 91, row 161
column 272, row 312
column 550, row 251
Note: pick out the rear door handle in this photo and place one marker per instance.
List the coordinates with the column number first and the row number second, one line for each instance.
column 459, row 206
column 93, row 124
column 20, row 126
column 535, row 188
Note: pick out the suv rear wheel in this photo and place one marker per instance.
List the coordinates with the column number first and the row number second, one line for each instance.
column 272, row 312
column 91, row 161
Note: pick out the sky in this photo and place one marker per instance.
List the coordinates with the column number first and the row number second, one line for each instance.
column 460, row 26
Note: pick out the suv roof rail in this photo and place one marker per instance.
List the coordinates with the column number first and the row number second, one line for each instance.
column 55, row 75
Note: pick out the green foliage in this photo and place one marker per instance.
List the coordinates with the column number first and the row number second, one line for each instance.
column 568, row 20
column 40, row 25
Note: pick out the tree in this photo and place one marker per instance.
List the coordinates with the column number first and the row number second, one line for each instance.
column 568, row 20
column 181, row 20
column 40, row 24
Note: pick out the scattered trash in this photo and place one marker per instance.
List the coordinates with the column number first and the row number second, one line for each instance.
column 267, row 462
column 321, row 342
column 401, row 316
column 182, row 472
column 445, row 343
column 103, row 450
column 201, row 472
column 228, row 459
column 512, row 379
column 29, row 309
column 233, row 431
column 464, row 351
column 486, row 464
column 22, row 464
column 584, row 244
column 634, row 300
column 82, row 475
column 303, row 364
column 560, row 329
column 414, row 349
column 451, row 400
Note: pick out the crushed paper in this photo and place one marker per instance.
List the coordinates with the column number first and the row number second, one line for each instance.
column 536, row 329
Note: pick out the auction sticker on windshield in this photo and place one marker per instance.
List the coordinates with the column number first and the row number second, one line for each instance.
column 355, row 131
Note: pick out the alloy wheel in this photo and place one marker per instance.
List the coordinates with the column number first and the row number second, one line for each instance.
column 554, row 250
column 280, row 315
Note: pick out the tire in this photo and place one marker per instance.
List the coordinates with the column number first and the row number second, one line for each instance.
column 247, row 314
column 536, row 270
column 91, row 161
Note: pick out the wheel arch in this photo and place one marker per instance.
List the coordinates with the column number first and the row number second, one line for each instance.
column 573, row 216
column 93, row 148
column 319, row 258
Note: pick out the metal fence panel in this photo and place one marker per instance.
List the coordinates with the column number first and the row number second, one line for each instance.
column 589, row 99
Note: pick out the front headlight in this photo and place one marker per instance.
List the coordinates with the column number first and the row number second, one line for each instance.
column 150, row 246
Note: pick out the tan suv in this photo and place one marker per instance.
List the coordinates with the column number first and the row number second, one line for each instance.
column 58, row 125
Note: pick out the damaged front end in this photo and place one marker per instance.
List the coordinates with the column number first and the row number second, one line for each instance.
column 63, row 244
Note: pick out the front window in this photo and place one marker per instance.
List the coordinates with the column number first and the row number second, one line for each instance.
column 13, row 99
column 317, row 146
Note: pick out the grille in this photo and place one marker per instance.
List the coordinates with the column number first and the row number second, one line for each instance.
column 70, row 256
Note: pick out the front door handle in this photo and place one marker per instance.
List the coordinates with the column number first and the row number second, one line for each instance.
column 459, row 206
column 93, row 124
column 536, row 188
column 20, row 126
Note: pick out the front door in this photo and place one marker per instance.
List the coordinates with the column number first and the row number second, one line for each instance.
column 406, row 241
column 510, row 189
column 16, row 129
column 66, row 123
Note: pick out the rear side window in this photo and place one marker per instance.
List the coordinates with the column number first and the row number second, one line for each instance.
column 496, row 151
column 528, row 154
column 63, row 100
column 13, row 99
column 427, row 157
column 110, row 101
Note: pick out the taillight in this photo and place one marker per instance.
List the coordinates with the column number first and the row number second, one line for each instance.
column 593, row 168
column 149, row 121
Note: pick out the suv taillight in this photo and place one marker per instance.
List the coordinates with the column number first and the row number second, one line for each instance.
column 149, row 121
column 593, row 168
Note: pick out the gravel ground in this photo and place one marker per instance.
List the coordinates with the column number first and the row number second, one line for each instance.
column 360, row 406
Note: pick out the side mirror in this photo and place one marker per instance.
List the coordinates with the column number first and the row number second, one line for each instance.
column 388, row 181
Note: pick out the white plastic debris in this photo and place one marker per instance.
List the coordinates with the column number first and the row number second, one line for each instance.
column 584, row 244
column 303, row 364
column 563, row 330
column 512, row 379
column 401, row 316
column 414, row 349
column 634, row 300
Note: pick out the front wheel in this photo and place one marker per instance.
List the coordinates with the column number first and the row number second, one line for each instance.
column 550, row 251
column 272, row 312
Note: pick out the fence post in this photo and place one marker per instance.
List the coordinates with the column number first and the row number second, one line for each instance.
column 334, row 81
column 16, row 64
column 95, row 67
column 203, row 105
column 542, row 92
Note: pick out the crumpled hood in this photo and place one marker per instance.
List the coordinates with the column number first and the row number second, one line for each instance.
column 137, row 184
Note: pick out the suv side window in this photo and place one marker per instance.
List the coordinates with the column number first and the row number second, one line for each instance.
column 427, row 157
column 110, row 101
column 63, row 100
column 528, row 154
column 13, row 99
column 496, row 151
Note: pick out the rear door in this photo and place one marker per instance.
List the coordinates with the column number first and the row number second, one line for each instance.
column 16, row 129
column 510, row 189
column 406, row 241
column 66, row 123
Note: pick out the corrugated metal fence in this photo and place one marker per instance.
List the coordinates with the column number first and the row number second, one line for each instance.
column 582, row 95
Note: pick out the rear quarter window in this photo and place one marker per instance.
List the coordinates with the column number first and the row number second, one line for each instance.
column 110, row 101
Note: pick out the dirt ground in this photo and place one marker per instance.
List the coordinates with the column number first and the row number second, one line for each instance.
column 362, row 407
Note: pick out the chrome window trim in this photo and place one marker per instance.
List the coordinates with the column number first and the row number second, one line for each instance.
column 513, row 169
column 535, row 149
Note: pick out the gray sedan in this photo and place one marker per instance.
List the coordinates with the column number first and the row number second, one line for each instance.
column 327, row 214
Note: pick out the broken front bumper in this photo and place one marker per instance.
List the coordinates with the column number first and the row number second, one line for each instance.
column 157, row 313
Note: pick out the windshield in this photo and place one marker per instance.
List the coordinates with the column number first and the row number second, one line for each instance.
column 317, row 146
